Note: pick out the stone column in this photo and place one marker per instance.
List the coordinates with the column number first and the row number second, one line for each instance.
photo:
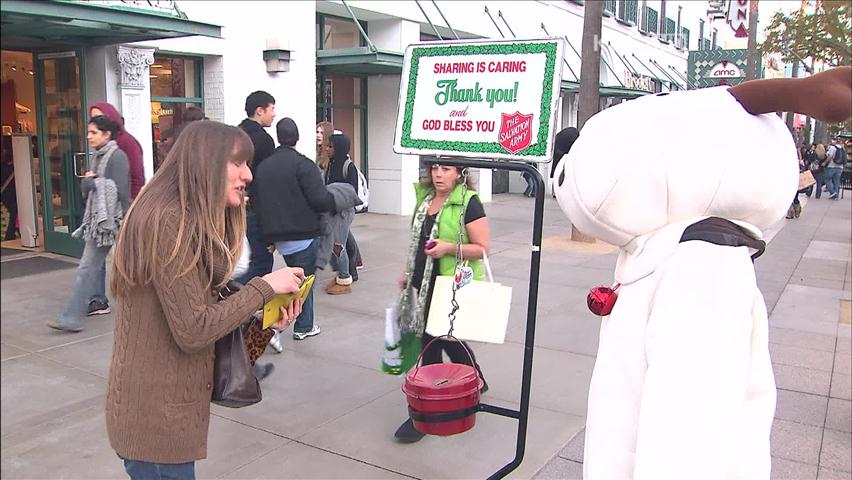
column 135, row 89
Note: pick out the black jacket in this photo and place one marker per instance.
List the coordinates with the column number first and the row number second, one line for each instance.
column 264, row 146
column 290, row 195
column 335, row 174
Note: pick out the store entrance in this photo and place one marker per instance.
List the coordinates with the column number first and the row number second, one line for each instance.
column 43, row 150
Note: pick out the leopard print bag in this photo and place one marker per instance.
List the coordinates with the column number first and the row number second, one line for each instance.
column 256, row 338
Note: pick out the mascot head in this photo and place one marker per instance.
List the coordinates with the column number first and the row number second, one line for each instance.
column 670, row 157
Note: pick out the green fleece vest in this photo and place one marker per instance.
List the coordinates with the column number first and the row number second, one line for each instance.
column 448, row 227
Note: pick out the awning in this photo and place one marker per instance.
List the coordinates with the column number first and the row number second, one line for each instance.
column 42, row 25
column 358, row 61
column 606, row 92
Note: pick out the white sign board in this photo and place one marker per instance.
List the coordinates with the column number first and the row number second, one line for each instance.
column 491, row 99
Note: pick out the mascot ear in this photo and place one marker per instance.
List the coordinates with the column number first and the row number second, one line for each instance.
column 826, row 96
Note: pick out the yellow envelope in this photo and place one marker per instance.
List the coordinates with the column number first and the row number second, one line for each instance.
column 272, row 310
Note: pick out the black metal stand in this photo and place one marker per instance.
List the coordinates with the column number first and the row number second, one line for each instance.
column 522, row 415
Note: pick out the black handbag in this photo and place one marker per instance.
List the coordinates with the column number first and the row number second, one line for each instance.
column 234, row 382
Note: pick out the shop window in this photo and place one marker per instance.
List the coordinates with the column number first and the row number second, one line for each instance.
column 684, row 38
column 176, row 85
column 649, row 20
column 342, row 101
column 609, row 7
column 337, row 33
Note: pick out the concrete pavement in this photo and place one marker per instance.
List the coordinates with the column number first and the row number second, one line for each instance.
column 328, row 412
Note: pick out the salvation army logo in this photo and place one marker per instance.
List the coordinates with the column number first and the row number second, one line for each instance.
column 515, row 131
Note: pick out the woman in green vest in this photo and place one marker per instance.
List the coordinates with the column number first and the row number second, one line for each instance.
column 445, row 200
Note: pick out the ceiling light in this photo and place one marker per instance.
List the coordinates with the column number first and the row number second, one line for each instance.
column 152, row 76
column 156, row 65
column 14, row 68
column 30, row 72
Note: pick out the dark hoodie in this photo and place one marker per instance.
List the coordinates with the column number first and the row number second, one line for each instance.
column 341, row 144
column 263, row 146
column 128, row 144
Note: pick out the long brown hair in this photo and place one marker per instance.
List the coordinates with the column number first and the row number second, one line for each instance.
column 322, row 149
column 191, row 185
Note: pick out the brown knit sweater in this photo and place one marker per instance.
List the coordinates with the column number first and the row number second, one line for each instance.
column 160, row 379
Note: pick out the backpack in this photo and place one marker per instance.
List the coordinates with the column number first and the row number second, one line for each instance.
column 840, row 157
column 363, row 191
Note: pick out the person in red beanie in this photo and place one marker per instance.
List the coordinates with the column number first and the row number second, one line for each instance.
column 127, row 143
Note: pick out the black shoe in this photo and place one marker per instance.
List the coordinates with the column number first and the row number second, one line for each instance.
column 263, row 370
column 406, row 433
column 98, row 308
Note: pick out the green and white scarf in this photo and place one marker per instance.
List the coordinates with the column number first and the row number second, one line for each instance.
column 412, row 309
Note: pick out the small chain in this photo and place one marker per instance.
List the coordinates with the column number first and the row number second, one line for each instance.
column 459, row 257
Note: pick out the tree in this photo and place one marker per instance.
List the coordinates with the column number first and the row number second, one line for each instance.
column 590, row 78
column 753, row 53
column 824, row 35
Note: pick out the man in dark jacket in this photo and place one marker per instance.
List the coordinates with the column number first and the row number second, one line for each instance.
column 290, row 196
column 260, row 108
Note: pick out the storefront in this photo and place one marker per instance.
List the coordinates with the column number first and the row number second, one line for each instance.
column 52, row 42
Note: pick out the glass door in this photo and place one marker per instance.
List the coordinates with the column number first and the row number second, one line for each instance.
column 61, row 131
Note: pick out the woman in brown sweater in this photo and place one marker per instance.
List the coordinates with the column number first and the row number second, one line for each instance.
column 178, row 245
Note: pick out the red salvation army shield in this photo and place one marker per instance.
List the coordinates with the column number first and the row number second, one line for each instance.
column 515, row 131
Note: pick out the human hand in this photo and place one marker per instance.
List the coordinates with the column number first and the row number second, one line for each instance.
column 90, row 174
column 289, row 314
column 440, row 249
column 285, row 280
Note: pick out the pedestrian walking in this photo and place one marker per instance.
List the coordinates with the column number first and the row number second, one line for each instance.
column 291, row 196
column 836, row 159
column 106, row 187
column 260, row 109
column 341, row 171
column 99, row 304
column 819, row 169
column 177, row 248
column 444, row 199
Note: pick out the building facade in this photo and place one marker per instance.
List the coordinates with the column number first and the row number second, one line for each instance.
column 323, row 60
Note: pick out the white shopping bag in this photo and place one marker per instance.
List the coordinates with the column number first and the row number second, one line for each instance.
column 483, row 313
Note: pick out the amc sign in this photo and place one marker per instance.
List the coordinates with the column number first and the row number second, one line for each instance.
column 725, row 69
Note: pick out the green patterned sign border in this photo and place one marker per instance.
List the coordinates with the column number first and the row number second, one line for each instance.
column 539, row 149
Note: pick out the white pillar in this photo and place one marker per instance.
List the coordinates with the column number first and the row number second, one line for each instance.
column 136, row 98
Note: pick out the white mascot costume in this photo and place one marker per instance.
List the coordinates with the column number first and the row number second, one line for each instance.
column 683, row 384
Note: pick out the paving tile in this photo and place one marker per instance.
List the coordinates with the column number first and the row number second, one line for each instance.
column 820, row 268
column 798, row 338
column 841, row 386
column 837, row 251
column 783, row 469
column 795, row 441
column 831, row 474
column 71, row 445
column 839, row 415
column 801, row 357
column 316, row 391
column 836, row 451
column 801, row 278
column 36, row 390
column 574, row 450
column 296, row 461
column 801, row 407
column 801, row 379
column 8, row 351
column 844, row 345
column 367, row 435
column 806, row 308
column 560, row 469
column 843, row 363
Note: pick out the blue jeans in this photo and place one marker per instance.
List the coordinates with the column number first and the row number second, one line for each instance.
column 90, row 278
column 307, row 260
column 139, row 470
column 820, row 181
column 260, row 262
column 100, row 291
column 832, row 180
column 340, row 261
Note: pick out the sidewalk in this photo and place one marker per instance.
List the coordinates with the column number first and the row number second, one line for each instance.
column 328, row 412
column 805, row 276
